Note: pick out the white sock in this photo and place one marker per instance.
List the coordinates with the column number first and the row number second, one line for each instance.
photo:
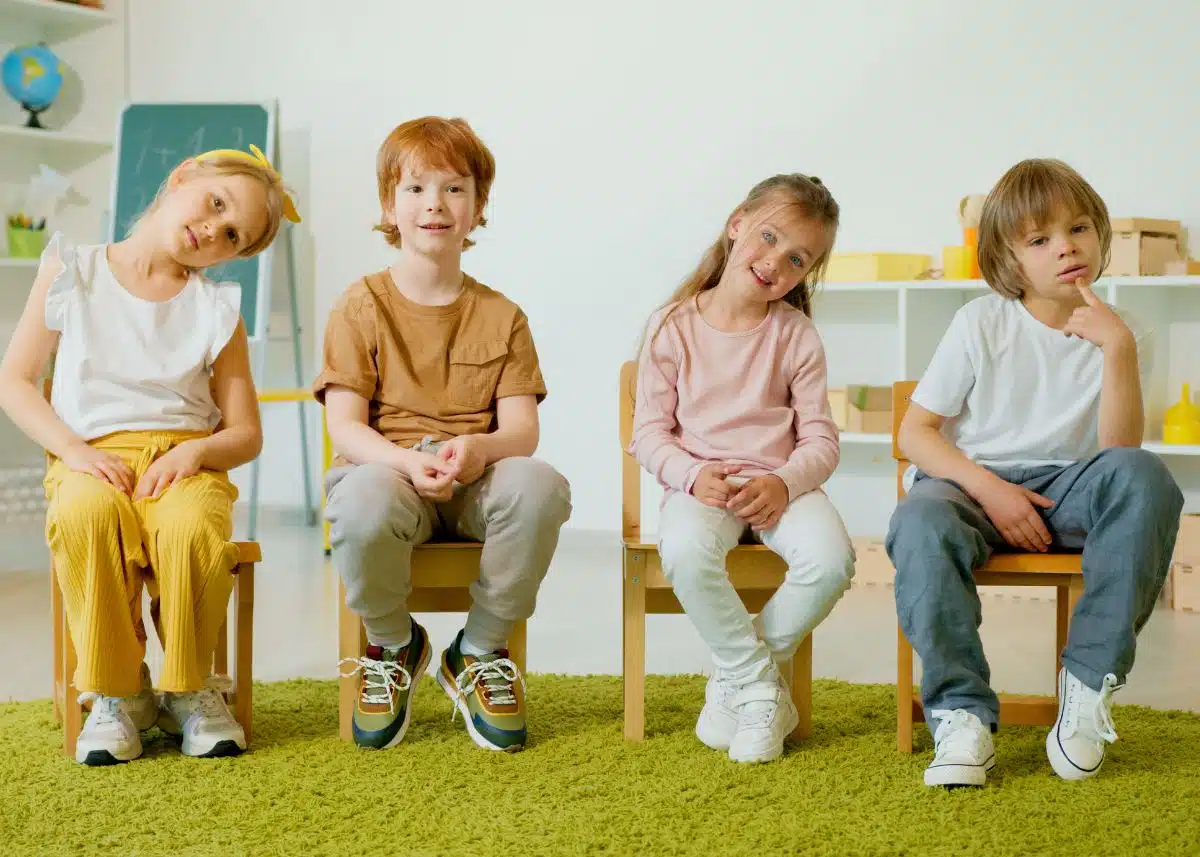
column 484, row 633
column 393, row 648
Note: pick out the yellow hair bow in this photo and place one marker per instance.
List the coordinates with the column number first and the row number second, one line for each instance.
column 255, row 156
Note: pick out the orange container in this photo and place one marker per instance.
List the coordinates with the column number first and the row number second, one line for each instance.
column 971, row 244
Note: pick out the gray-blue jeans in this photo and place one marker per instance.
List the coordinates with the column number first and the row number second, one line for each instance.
column 1121, row 507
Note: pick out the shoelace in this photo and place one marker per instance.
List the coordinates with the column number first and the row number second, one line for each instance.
column 1101, row 714
column 105, row 709
column 497, row 678
column 210, row 701
column 955, row 734
column 750, row 714
column 381, row 677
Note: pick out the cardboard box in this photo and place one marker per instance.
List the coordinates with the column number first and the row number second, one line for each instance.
column 1144, row 247
column 869, row 409
column 837, row 405
column 1183, row 268
column 1185, row 566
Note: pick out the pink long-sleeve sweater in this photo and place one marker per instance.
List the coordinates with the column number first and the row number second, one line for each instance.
column 756, row 398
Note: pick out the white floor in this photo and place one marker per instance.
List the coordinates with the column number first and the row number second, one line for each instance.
column 577, row 627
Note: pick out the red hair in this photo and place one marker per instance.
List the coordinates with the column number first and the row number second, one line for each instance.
column 439, row 144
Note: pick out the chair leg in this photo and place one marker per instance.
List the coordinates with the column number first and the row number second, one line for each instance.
column 518, row 645
column 220, row 665
column 243, row 629
column 802, row 688
column 351, row 644
column 634, row 645
column 72, row 713
column 904, row 693
column 1063, row 605
column 58, row 624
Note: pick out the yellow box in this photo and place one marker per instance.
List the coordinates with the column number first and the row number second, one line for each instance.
column 956, row 262
column 870, row 267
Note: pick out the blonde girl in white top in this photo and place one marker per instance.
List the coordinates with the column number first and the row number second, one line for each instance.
column 152, row 403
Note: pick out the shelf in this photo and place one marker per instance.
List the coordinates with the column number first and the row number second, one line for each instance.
column 862, row 437
column 36, row 140
column 48, row 20
column 1165, row 281
column 1161, row 448
column 7, row 262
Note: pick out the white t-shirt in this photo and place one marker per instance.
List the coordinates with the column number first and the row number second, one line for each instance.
column 129, row 364
column 1015, row 392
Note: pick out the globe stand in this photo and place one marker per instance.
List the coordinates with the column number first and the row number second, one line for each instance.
column 33, row 121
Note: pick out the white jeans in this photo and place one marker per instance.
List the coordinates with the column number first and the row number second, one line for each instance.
column 810, row 536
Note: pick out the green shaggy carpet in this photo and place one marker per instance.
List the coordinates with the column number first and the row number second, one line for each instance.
column 579, row 788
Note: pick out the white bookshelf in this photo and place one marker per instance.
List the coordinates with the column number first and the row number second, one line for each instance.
column 882, row 332
column 77, row 143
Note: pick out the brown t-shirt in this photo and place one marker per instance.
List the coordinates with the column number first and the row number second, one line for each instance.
column 428, row 370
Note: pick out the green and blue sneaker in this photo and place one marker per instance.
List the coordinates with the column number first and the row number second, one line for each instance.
column 388, row 683
column 489, row 692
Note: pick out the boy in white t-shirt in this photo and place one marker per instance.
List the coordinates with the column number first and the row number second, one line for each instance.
column 1026, row 433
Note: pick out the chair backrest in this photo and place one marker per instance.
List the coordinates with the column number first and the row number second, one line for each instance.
column 901, row 395
column 631, row 475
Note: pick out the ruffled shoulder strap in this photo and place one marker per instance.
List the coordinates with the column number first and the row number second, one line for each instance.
column 226, row 299
column 64, row 256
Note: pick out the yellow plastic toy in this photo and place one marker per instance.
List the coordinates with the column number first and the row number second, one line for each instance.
column 1181, row 423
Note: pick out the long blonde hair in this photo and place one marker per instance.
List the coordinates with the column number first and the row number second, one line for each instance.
column 795, row 190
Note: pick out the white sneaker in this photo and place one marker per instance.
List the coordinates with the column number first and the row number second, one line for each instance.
column 143, row 708
column 963, row 751
column 718, row 719
column 1075, row 746
column 109, row 735
column 766, row 715
column 203, row 721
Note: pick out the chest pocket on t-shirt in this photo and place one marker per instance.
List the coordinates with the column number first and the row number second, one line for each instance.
column 474, row 373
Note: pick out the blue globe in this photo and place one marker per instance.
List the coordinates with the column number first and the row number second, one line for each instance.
column 32, row 76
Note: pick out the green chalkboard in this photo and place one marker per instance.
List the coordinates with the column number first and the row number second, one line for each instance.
column 153, row 138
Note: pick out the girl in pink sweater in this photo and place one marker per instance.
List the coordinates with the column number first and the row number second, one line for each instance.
column 733, row 419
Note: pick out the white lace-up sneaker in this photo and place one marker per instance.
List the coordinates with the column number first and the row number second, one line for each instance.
column 963, row 751
column 766, row 715
column 718, row 719
column 1075, row 746
column 202, row 721
column 109, row 735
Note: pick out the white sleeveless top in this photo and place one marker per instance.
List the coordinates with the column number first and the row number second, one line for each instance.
column 129, row 364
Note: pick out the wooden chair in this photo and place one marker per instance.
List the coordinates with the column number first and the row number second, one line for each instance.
column 67, row 708
column 755, row 570
column 442, row 573
column 1060, row 570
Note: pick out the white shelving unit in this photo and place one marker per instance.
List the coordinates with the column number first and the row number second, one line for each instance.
column 71, row 145
column 881, row 332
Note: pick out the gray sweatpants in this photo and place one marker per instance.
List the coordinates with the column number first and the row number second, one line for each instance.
column 1121, row 507
column 515, row 509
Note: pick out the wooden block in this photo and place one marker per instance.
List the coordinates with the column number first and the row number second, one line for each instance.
column 1150, row 225
column 872, row 567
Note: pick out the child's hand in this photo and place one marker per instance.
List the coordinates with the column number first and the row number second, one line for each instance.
column 760, row 502
column 174, row 466
column 432, row 477
column 464, row 452
column 1012, row 509
column 103, row 465
column 710, row 487
column 1096, row 322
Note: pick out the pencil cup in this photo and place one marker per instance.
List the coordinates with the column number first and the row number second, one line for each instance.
column 26, row 243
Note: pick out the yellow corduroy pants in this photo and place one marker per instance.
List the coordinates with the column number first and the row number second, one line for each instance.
column 104, row 545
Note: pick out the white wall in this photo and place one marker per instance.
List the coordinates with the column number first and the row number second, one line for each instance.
column 626, row 131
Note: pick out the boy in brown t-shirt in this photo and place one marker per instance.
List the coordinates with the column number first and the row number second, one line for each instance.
column 431, row 386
